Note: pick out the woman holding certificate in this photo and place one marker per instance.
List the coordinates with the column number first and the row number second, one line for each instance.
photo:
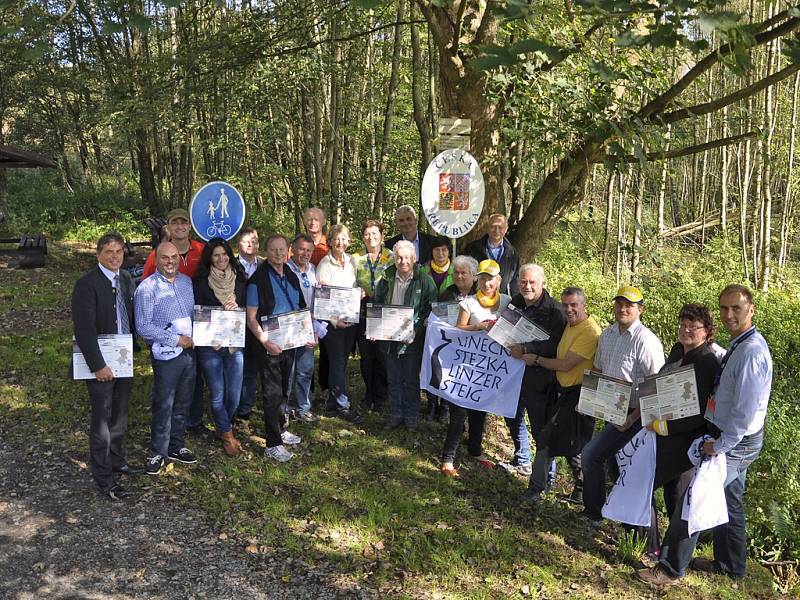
column 338, row 269
column 221, row 282
column 478, row 313
column 369, row 268
column 696, row 331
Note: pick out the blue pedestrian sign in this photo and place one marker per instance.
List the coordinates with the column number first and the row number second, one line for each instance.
column 217, row 210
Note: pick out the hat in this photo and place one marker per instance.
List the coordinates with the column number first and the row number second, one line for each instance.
column 489, row 267
column 630, row 293
column 178, row 213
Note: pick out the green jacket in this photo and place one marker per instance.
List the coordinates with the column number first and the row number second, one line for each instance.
column 420, row 294
column 448, row 281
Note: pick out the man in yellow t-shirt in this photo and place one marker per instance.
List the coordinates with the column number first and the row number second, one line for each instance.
column 567, row 432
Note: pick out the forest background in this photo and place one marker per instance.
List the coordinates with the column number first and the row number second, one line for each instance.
column 651, row 142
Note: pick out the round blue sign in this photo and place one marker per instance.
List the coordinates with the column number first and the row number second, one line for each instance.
column 217, row 210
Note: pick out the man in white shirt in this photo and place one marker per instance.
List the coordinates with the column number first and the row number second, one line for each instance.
column 248, row 258
column 300, row 264
column 248, row 250
column 627, row 350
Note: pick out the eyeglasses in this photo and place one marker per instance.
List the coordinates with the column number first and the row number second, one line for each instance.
column 689, row 329
column 304, row 277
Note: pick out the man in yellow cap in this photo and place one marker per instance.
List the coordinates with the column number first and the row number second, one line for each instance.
column 627, row 350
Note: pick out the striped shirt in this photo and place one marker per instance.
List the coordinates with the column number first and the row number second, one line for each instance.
column 629, row 355
column 157, row 303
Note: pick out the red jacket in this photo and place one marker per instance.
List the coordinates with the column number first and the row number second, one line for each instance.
column 188, row 263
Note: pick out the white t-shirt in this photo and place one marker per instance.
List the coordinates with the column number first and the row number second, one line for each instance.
column 479, row 314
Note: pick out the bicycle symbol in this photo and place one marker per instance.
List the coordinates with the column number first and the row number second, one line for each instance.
column 218, row 229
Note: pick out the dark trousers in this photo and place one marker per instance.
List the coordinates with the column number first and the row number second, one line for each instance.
column 730, row 540
column 109, row 419
column 338, row 343
column 602, row 447
column 402, row 373
column 275, row 372
column 194, row 417
column 373, row 372
column 455, row 429
column 324, row 367
column 249, row 374
column 173, row 386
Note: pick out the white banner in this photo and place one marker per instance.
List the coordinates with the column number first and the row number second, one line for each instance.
column 629, row 500
column 470, row 369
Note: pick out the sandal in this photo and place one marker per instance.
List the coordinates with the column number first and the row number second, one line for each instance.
column 448, row 469
column 483, row 461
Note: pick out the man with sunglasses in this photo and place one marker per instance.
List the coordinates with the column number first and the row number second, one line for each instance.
column 301, row 265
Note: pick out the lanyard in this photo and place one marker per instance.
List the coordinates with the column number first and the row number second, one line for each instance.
column 284, row 285
column 372, row 266
column 494, row 253
column 728, row 354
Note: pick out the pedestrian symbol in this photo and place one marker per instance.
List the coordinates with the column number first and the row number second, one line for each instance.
column 217, row 210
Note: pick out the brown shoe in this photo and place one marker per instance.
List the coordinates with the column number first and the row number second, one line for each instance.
column 656, row 577
column 230, row 444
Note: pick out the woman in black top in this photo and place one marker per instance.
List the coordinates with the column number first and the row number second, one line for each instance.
column 696, row 331
column 220, row 281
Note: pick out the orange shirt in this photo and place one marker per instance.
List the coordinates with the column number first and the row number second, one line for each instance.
column 189, row 264
column 320, row 250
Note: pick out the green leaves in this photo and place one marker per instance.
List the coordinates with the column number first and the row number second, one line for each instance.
column 722, row 22
column 496, row 56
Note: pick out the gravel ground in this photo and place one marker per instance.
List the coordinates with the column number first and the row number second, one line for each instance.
column 61, row 539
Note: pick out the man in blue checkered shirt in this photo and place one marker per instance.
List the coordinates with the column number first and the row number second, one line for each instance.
column 164, row 305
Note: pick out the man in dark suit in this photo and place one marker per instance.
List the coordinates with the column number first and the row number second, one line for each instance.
column 496, row 247
column 102, row 303
column 405, row 220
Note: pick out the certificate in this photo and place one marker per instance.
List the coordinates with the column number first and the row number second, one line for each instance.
column 289, row 330
column 332, row 303
column 390, row 322
column 215, row 326
column 669, row 395
column 446, row 311
column 604, row 397
column 117, row 351
column 513, row 327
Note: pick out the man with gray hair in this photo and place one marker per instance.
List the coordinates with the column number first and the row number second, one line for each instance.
column 495, row 246
column 538, row 393
column 403, row 283
column 405, row 220
column 567, row 431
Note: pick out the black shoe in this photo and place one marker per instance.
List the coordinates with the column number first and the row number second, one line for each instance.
column 116, row 492
column 576, row 497
column 349, row 415
column 393, row 423
column 532, row 498
column 184, row 455
column 127, row 470
column 154, row 464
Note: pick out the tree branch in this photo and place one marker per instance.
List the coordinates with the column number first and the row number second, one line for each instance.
column 703, row 109
column 653, row 109
column 679, row 152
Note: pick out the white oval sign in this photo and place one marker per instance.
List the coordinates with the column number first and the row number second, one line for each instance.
column 452, row 193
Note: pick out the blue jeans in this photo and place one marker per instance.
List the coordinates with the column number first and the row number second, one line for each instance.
column 338, row 342
column 602, row 447
column 403, row 377
column 519, row 434
column 730, row 539
column 173, row 386
column 302, row 373
column 249, row 374
column 223, row 373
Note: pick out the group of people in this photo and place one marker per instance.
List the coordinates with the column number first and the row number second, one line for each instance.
column 416, row 269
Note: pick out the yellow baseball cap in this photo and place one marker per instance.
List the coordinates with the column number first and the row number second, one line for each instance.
column 489, row 267
column 630, row 293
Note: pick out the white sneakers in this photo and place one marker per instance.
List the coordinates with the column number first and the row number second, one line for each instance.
column 278, row 453
column 290, row 438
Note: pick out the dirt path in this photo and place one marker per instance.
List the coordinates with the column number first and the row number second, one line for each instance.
column 60, row 539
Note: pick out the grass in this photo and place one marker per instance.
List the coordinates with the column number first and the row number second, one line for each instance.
column 368, row 506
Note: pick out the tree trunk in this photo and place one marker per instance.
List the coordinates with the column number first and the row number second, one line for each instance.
column 388, row 114
column 418, row 77
column 609, row 218
column 787, row 209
